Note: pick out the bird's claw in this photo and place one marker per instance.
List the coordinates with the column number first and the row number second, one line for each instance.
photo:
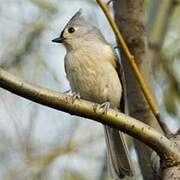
column 75, row 96
column 105, row 107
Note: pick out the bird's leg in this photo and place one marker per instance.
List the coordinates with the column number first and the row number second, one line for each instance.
column 105, row 107
column 75, row 96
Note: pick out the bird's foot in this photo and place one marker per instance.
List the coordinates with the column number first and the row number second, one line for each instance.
column 105, row 107
column 75, row 96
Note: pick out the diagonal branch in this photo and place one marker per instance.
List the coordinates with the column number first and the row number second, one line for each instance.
column 165, row 148
column 136, row 71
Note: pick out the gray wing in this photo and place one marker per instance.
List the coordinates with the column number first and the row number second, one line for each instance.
column 120, row 164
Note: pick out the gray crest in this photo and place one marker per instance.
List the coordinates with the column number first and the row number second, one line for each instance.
column 77, row 19
column 76, row 16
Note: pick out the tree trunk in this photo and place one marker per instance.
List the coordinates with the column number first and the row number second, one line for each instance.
column 129, row 17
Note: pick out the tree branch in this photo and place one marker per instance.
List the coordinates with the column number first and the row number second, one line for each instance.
column 157, row 30
column 164, row 147
column 128, row 16
column 132, row 61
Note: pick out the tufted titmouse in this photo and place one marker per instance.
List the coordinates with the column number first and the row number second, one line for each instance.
column 92, row 70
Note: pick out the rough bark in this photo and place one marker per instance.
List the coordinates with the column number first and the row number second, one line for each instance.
column 129, row 17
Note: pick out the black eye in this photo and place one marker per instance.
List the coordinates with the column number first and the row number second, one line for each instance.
column 71, row 30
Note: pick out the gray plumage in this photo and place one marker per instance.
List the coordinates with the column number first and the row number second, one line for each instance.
column 91, row 68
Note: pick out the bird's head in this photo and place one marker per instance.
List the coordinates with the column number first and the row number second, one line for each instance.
column 78, row 32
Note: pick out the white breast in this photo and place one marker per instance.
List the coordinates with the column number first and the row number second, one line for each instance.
column 91, row 75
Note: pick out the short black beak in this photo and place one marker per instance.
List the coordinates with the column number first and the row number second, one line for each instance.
column 58, row 40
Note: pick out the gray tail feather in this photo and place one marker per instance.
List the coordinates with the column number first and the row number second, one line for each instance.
column 118, row 156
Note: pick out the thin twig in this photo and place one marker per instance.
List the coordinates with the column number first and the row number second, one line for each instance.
column 135, row 68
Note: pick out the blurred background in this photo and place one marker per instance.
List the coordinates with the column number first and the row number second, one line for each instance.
column 37, row 142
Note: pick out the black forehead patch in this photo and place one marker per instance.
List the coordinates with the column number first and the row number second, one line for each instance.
column 75, row 18
column 62, row 33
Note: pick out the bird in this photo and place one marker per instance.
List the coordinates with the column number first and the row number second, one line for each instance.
column 92, row 69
